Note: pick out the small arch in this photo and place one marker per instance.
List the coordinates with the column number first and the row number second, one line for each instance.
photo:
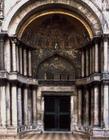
column 56, row 67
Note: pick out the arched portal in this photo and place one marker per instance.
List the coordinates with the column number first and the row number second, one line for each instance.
column 53, row 50
column 55, row 38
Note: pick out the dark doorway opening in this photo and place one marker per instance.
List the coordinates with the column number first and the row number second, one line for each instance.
column 57, row 113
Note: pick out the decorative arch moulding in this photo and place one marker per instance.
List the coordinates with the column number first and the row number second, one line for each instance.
column 23, row 9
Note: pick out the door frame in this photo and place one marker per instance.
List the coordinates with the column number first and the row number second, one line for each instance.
column 73, row 106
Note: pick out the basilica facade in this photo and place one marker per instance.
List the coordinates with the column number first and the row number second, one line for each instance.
column 54, row 67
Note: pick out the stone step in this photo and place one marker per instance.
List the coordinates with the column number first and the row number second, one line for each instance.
column 48, row 136
column 54, row 136
column 99, row 138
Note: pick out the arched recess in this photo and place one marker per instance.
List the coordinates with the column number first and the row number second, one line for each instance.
column 77, row 9
column 56, row 67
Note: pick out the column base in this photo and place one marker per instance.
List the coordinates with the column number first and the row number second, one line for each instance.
column 100, row 132
column 11, row 131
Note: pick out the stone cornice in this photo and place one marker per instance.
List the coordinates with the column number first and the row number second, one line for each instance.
column 96, row 77
column 15, row 77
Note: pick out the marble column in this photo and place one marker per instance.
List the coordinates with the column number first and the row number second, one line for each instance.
column 87, row 107
column 18, row 61
column 83, row 63
column 1, row 53
column 7, row 56
column 79, row 106
column 26, row 106
column 90, row 60
column 87, row 63
column 106, row 55
column 25, row 62
column 29, row 60
column 92, row 106
column 93, row 59
column 3, row 106
column 19, row 106
column 30, row 106
column 96, row 106
column 34, row 106
column 96, row 58
column 14, row 56
column 106, row 106
column 8, row 104
column 14, row 106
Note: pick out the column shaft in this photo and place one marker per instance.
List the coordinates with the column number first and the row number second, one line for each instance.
column 25, row 62
column 14, row 106
column 29, row 106
column 30, row 68
column 87, row 107
column 14, row 56
column 1, row 54
column 93, row 59
column 34, row 106
column 20, row 54
column 106, row 106
column 26, row 106
column 79, row 106
column 3, row 106
column 19, row 106
column 96, row 106
column 90, row 60
column 96, row 58
column 8, row 104
column 105, row 55
column 87, row 63
column 7, row 55
column 18, row 62
column 83, row 63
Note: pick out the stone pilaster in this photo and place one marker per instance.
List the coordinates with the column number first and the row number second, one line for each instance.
column 75, row 110
column 72, row 113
